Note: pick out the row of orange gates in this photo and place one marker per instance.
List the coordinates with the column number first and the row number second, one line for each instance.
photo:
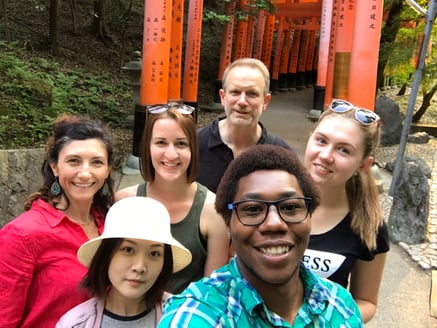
column 337, row 39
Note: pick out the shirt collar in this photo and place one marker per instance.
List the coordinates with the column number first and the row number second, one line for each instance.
column 54, row 216
column 250, row 298
column 51, row 214
column 215, row 140
column 316, row 295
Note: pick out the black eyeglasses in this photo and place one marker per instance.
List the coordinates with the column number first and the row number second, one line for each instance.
column 253, row 212
column 362, row 115
column 161, row 108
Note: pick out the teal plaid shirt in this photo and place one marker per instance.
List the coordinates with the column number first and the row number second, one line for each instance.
column 226, row 299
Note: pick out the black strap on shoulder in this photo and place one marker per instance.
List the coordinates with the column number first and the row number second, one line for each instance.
column 141, row 191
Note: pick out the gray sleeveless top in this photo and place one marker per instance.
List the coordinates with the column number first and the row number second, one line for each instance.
column 187, row 232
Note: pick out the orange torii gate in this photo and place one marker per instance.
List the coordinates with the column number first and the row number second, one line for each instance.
column 348, row 47
column 339, row 39
column 345, row 34
column 161, row 72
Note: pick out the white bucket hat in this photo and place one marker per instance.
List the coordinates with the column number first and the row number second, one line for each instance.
column 137, row 218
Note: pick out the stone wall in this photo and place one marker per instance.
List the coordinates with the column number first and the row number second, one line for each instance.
column 19, row 176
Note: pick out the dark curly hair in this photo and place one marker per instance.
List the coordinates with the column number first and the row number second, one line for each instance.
column 263, row 157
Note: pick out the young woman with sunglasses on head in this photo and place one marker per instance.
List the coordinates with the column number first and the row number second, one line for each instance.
column 169, row 162
column 349, row 239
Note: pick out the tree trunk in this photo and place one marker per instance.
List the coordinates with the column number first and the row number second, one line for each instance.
column 126, row 19
column 402, row 90
column 388, row 35
column 54, row 26
column 73, row 15
column 5, row 20
column 99, row 27
column 425, row 104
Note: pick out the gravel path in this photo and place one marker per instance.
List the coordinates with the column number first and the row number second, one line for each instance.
column 388, row 154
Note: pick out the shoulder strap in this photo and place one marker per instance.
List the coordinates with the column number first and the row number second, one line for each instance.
column 141, row 190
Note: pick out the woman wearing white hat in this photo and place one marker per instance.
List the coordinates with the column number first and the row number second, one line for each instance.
column 129, row 267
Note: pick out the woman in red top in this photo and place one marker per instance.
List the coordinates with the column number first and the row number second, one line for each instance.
column 39, row 270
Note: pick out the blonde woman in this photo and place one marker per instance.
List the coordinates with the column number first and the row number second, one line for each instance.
column 349, row 240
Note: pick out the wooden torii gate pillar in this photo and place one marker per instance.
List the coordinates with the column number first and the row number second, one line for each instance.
column 348, row 48
column 352, row 63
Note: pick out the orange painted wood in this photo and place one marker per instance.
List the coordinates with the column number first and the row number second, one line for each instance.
column 365, row 53
column 324, row 38
column 268, row 40
column 259, row 34
column 292, row 68
column 285, row 52
column 156, row 52
column 278, row 47
column 311, row 48
column 303, row 51
column 241, row 33
column 331, row 52
column 175, row 65
column 343, row 47
column 250, row 37
column 192, row 51
column 227, row 37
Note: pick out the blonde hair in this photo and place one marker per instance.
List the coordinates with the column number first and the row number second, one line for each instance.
column 361, row 189
column 252, row 63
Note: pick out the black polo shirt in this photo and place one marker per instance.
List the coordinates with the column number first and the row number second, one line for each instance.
column 215, row 155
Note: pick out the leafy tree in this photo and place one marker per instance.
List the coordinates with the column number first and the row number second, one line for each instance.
column 250, row 9
column 429, row 86
column 388, row 36
column 400, row 42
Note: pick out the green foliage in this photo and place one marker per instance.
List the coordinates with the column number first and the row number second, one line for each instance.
column 429, row 78
column 241, row 13
column 209, row 15
column 35, row 91
column 400, row 54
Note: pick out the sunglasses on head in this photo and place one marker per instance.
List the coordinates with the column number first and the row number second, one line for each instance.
column 161, row 108
column 362, row 115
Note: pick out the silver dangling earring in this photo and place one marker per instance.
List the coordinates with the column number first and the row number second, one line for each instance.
column 55, row 188
column 105, row 189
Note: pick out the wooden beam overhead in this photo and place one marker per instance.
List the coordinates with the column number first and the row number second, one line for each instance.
column 299, row 10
